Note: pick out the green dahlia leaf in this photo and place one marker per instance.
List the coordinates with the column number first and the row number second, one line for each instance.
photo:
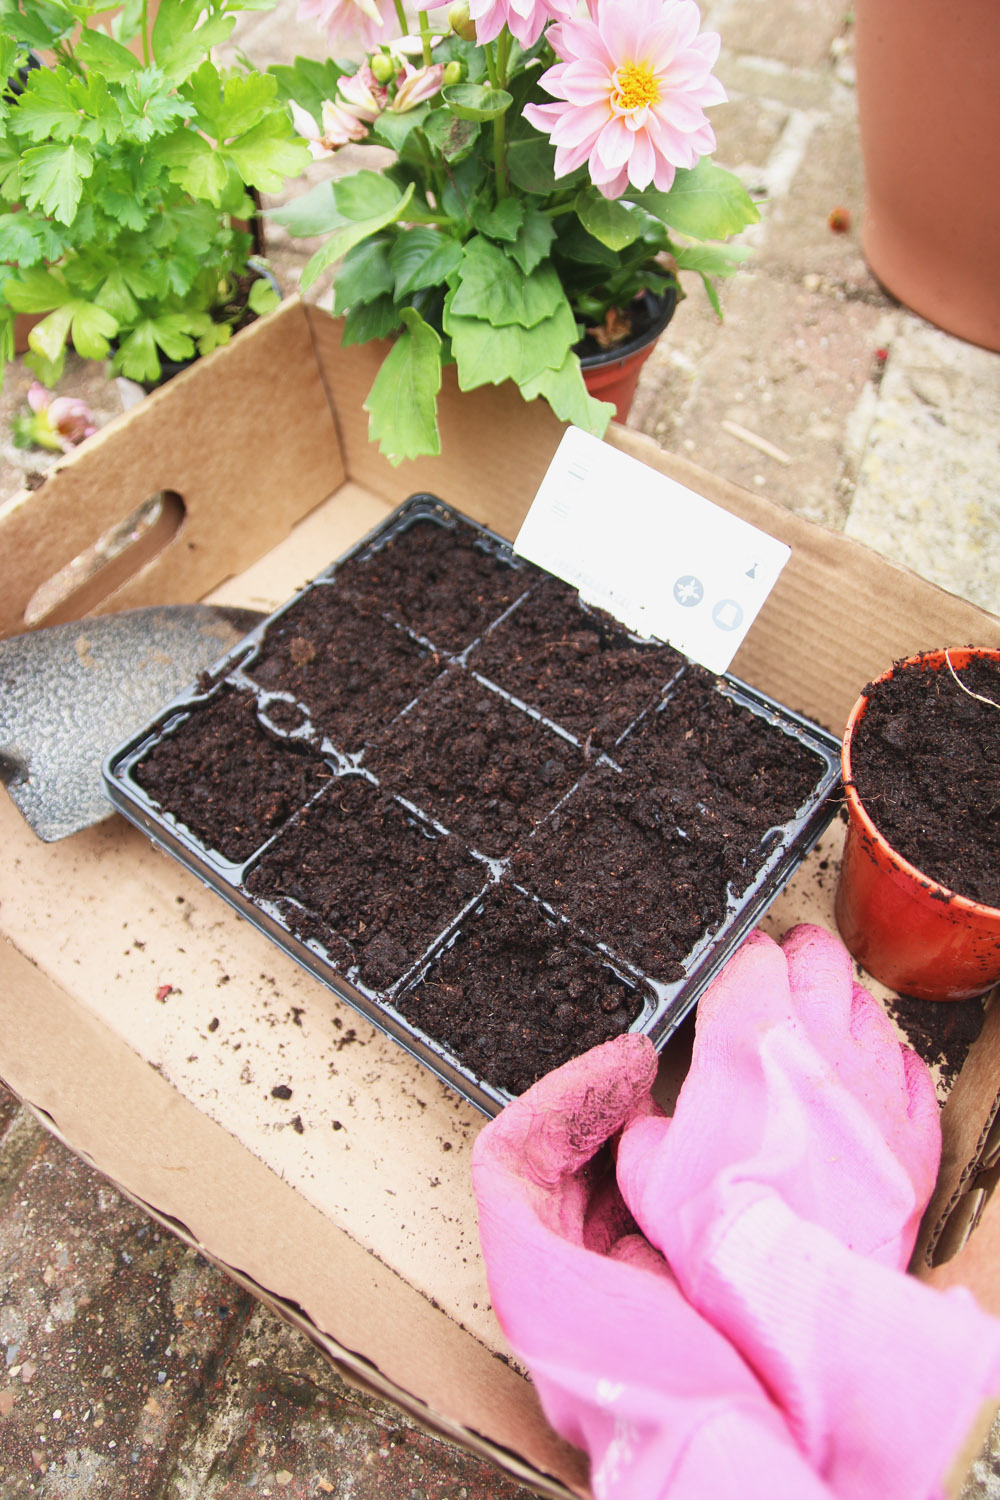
column 606, row 219
column 365, row 275
column 566, row 393
column 343, row 240
column 422, row 257
column 706, row 202
column 402, row 403
column 491, row 286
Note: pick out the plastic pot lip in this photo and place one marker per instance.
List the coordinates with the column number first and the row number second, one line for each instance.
column 663, row 306
column 960, row 656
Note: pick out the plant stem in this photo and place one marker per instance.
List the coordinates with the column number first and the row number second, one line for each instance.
column 433, row 167
column 503, row 56
column 493, row 61
column 425, row 37
column 404, row 25
column 500, row 155
column 144, row 31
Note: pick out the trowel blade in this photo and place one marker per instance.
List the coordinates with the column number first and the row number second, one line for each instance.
column 70, row 693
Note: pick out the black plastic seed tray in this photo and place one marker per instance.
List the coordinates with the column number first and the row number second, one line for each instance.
column 483, row 814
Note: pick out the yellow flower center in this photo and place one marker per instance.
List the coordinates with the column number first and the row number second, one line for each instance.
column 635, row 86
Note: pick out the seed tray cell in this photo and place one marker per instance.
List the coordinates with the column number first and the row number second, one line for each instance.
column 435, row 776
column 445, row 583
column 357, row 874
column 515, row 993
column 236, row 782
column 476, row 762
column 577, row 666
column 653, row 854
column 351, row 669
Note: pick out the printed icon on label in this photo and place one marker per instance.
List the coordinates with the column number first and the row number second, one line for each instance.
column 752, row 571
column 689, row 591
column 727, row 614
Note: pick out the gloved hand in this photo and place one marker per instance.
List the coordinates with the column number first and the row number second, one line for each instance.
column 798, row 1088
column 623, row 1366
column 785, row 1194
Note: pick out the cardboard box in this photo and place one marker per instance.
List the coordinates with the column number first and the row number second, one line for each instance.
column 348, row 1204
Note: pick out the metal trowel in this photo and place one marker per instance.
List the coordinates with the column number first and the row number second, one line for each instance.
column 70, row 693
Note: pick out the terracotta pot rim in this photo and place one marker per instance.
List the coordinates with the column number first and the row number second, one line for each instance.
column 961, row 655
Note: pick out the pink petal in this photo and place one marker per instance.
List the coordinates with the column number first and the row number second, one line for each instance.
column 544, row 116
column 614, row 144
column 642, row 163
column 663, row 176
column 568, row 158
column 580, row 39
column 625, row 28
column 579, row 124
column 679, row 111
column 615, row 186
column 585, row 81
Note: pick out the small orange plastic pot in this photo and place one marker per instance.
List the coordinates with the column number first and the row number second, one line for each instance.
column 907, row 930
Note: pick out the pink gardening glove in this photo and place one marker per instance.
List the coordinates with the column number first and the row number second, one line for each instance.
column 786, row 1193
column 624, row 1368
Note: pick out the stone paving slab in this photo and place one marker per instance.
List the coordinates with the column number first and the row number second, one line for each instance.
column 133, row 1369
column 793, row 391
column 927, row 489
column 284, row 1423
column 112, row 1333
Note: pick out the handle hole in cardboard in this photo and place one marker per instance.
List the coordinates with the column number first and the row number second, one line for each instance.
column 96, row 572
column 964, row 1217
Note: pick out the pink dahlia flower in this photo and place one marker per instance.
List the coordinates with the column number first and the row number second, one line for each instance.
column 633, row 86
column 526, row 19
column 369, row 22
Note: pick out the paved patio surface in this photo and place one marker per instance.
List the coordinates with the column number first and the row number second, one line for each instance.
column 130, row 1369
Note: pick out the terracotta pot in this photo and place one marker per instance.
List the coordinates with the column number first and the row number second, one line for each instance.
column 907, row 930
column 613, row 374
column 929, row 117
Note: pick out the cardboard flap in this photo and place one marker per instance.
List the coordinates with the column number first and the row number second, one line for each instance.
column 970, row 1153
column 245, row 464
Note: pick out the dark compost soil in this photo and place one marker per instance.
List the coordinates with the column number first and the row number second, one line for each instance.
column 517, row 994
column 477, row 763
column 369, row 883
column 226, row 779
column 351, row 669
column 576, row 666
column 645, row 858
column 925, row 759
column 941, row 1034
column 438, row 583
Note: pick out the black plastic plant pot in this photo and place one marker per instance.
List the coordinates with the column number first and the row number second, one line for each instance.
column 489, row 818
column 654, row 312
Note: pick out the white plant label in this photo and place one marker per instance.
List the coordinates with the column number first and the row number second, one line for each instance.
column 653, row 553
